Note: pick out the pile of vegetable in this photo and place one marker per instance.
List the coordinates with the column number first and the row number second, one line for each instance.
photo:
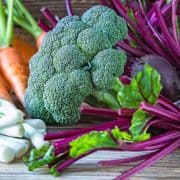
column 16, row 134
column 119, row 57
column 153, row 30
column 75, row 60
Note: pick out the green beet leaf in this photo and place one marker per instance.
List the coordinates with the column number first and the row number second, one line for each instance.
column 91, row 141
column 145, row 87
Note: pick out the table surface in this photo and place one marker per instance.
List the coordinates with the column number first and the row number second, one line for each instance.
column 87, row 168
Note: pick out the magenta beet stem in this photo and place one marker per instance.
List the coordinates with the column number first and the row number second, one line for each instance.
column 121, row 122
column 160, row 112
column 150, row 161
column 125, row 160
column 130, row 49
column 43, row 26
column 99, row 111
column 166, row 137
column 166, row 103
column 125, row 80
column 69, row 8
column 49, row 16
column 126, row 112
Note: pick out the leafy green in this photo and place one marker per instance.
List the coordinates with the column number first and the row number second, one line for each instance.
column 145, row 87
column 90, row 141
column 98, row 139
column 121, row 135
column 39, row 157
column 139, row 119
column 142, row 137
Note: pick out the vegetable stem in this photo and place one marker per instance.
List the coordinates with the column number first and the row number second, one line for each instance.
column 69, row 8
column 150, row 161
column 2, row 21
column 49, row 16
column 9, row 29
column 27, row 22
column 160, row 112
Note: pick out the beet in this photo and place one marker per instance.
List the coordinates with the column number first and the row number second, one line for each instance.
column 170, row 78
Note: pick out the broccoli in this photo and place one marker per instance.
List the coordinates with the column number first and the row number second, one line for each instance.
column 76, row 59
column 102, row 65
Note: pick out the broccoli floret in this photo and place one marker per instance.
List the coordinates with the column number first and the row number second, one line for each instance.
column 68, row 92
column 113, row 26
column 75, row 59
column 91, row 16
column 35, row 106
column 71, row 32
column 69, row 115
column 91, row 41
column 107, row 21
column 51, row 43
column 64, row 22
column 81, row 80
column 69, row 58
column 107, row 65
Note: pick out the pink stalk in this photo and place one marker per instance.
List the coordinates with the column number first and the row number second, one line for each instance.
column 69, row 8
column 43, row 26
column 125, row 79
column 49, row 16
column 166, row 103
column 103, row 112
column 130, row 49
column 160, row 112
column 165, row 30
column 125, row 121
column 174, row 20
column 125, row 160
column 150, row 40
column 150, row 161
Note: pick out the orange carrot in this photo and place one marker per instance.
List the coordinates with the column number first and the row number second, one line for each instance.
column 40, row 38
column 3, row 90
column 13, row 70
column 25, row 48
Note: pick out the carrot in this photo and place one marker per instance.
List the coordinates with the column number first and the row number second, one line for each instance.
column 40, row 38
column 11, row 62
column 12, row 68
column 24, row 19
column 3, row 90
column 25, row 48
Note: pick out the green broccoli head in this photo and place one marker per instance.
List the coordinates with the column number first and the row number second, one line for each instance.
column 75, row 59
column 65, row 90
column 91, row 41
column 105, row 19
column 69, row 58
column 107, row 65
column 91, row 16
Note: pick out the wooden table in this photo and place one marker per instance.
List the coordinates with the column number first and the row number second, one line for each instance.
column 87, row 168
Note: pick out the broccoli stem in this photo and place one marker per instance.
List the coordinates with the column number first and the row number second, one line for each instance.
column 107, row 98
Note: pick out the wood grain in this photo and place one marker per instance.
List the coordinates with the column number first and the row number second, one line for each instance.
column 87, row 169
